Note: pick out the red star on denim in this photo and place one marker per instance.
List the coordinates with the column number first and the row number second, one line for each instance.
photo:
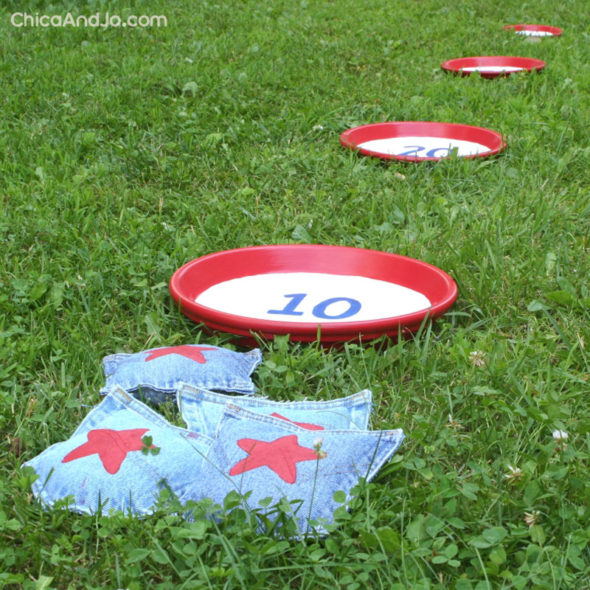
column 111, row 446
column 305, row 425
column 280, row 455
column 190, row 352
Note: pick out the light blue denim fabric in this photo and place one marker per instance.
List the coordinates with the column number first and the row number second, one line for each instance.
column 102, row 464
column 272, row 458
column 202, row 410
column 157, row 372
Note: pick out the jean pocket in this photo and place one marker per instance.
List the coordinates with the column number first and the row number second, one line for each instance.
column 202, row 410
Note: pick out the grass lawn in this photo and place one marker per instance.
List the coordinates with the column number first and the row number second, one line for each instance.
column 128, row 152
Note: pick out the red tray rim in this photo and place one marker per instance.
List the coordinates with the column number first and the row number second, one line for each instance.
column 457, row 64
column 555, row 31
column 330, row 332
column 436, row 129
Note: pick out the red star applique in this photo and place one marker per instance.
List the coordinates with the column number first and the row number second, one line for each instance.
column 190, row 352
column 280, row 455
column 305, row 425
column 111, row 446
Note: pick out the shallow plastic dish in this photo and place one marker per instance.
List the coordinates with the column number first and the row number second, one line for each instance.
column 492, row 66
column 333, row 293
column 535, row 30
column 421, row 141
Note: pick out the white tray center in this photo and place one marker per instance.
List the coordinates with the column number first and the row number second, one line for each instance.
column 424, row 146
column 309, row 297
column 530, row 33
column 492, row 69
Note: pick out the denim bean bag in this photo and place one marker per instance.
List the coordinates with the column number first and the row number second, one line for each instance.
column 202, row 410
column 267, row 457
column 156, row 373
column 120, row 458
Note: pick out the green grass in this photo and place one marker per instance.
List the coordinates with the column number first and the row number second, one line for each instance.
column 126, row 153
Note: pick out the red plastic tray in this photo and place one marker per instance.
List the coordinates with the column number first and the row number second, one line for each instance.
column 420, row 141
column 492, row 66
column 535, row 30
column 311, row 290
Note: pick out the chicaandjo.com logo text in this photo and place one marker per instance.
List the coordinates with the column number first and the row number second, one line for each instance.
column 106, row 20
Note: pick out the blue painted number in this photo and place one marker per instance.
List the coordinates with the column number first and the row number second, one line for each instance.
column 289, row 309
column 321, row 309
column 415, row 149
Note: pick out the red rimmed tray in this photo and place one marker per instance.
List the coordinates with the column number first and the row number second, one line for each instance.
column 492, row 66
column 338, row 292
column 420, row 141
column 535, row 30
